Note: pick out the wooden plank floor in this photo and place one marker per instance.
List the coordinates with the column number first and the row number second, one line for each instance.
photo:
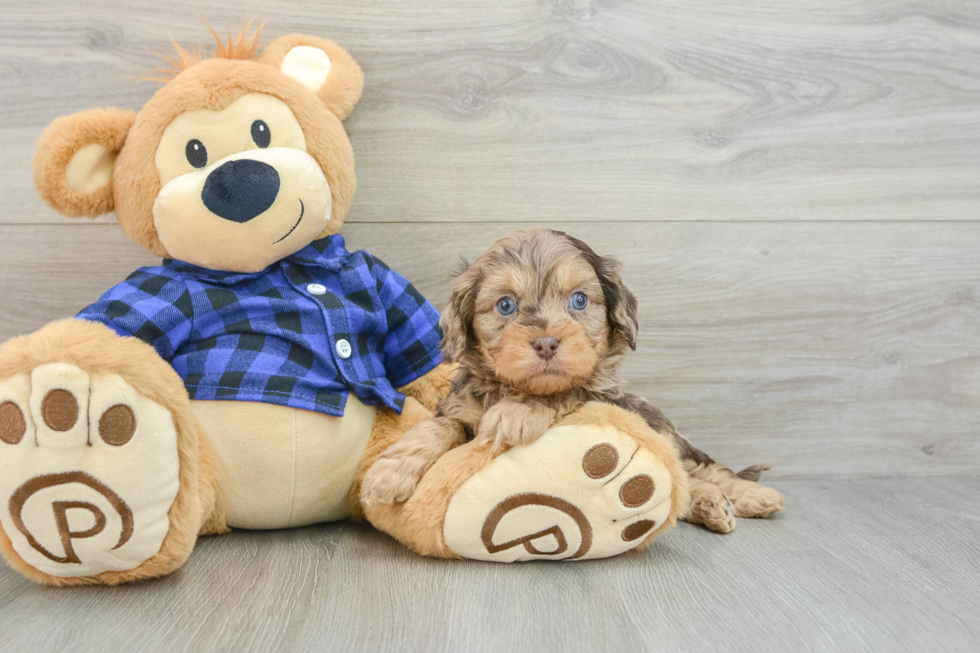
column 858, row 565
column 793, row 189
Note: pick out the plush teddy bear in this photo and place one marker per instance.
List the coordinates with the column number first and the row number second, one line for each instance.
column 250, row 380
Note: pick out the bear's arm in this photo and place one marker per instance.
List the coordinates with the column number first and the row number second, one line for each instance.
column 428, row 390
column 153, row 304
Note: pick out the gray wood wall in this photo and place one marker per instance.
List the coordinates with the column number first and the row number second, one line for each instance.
column 793, row 188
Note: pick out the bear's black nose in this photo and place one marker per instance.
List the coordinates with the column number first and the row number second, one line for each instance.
column 240, row 190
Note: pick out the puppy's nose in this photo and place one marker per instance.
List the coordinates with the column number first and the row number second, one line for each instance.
column 240, row 190
column 546, row 347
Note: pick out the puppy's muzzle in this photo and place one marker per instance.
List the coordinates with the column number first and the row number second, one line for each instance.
column 546, row 347
column 241, row 190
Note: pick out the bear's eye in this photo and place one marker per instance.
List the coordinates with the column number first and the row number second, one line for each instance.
column 197, row 154
column 506, row 306
column 260, row 133
column 579, row 301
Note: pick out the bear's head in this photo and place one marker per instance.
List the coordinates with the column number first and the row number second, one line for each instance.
column 238, row 161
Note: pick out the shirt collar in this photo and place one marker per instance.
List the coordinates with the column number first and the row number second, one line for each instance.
column 329, row 253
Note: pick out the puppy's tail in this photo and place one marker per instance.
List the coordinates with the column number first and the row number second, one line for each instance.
column 754, row 473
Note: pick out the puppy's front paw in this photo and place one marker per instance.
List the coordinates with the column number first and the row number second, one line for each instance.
column 510, row 424
column 390, row 480
column 492, row 432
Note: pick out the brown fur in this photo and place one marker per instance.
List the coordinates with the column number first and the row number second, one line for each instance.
column 500, row 395
column 540, row 270
column 419, row 521
column 97, row 350
column 243, row 46
column 504, row 393
column 512, row 423
column 130, row 144
column 710, row 507
column 603, row 413
column 210, row 84
column 422, row 396
column 388, row 428
column 343, row 87
column 395, row 473
column 59, row 143
column 517, row 364
column 430, row 389
column 750, row 498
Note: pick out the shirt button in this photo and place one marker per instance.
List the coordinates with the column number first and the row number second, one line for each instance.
column 316, row 289
column 343, row 348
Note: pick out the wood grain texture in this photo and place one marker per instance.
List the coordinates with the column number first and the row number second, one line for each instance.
column 792, row 187
column 852, row 566
column 830, row 350
column 575, row 110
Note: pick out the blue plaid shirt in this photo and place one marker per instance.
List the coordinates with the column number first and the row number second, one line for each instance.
column 267, row 337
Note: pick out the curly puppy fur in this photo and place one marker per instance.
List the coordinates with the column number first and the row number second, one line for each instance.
column 540, row 325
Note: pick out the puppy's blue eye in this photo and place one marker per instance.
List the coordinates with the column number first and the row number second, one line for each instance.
column 579, row 301
column 506, row 306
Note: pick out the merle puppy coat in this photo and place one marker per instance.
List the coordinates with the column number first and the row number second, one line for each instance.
column 539, row 326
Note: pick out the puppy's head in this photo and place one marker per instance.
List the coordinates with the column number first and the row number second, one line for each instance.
column 541, row 311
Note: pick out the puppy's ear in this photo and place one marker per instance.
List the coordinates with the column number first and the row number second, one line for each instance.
column 321, row 66
column 620, row 302
column 457, row 318
column 75, row 158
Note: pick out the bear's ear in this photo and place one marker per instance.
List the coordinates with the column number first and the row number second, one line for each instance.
column 75, row 158
column 321, row 66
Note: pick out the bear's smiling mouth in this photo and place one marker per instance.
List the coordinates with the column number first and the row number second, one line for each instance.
column 302, row 209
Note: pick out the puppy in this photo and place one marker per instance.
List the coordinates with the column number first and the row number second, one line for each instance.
column 539, row 325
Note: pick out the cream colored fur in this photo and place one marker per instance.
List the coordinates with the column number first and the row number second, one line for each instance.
column 97, row 350
column 142, row 474
column 297, row 467
column 201, row 478
column 420, row 521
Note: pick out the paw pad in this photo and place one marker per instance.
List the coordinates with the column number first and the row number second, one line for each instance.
column 73, row 500
column 603, row 497
column 600, row 460
column 637, row 491
column 639, row 529
column 59, row 410
column 117, row 425
column 13, row 426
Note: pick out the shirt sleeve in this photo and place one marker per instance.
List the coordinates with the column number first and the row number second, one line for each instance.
column 153, row 304
column 412, row 344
